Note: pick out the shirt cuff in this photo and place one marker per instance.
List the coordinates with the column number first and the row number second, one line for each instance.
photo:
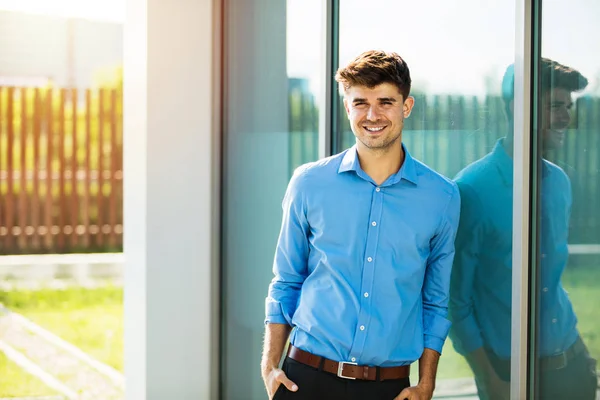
column 433, row 343
column 466, row 336
column 274, row 312
column 275, row 319
column 435, row 329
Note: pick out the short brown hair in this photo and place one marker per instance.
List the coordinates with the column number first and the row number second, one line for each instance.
column 555, row 75
column 552, row 75
column 374, row 67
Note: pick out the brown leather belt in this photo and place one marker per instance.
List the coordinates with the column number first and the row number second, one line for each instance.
column 348, row 370
column 560, row 361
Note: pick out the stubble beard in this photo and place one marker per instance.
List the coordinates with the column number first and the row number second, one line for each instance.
column 552, row 141
column 380, row 144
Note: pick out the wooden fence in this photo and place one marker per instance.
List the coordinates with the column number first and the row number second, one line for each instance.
column 60, row 170
column 61, row 159
column 450, row 132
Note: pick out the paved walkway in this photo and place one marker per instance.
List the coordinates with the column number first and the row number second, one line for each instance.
column 57, row 363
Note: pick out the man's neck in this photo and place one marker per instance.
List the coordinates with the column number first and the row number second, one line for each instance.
column 508, row 144
column 380, row 164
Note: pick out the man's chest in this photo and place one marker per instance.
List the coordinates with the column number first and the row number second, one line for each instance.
column 391, row 219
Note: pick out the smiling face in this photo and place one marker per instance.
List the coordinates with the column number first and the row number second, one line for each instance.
column 377, row 115
column 555, row 117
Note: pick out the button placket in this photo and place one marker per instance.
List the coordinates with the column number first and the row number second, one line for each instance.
column 368, row 275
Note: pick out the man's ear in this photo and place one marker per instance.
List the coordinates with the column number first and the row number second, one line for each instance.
column 346, row 107
column 408, row 106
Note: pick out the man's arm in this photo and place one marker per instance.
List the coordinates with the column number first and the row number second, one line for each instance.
column 276, row 336
column 436, row 287
column 466, row 332
column 436, row 284
column 290, row 265
column 428, row 364
column 290, row 269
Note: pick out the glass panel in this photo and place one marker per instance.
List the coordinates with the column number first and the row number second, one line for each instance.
column 273, row 67
column 568, row 283
column 461, row 125
column 61, row 314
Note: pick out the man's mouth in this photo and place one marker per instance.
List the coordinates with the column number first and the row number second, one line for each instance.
column 374, row 129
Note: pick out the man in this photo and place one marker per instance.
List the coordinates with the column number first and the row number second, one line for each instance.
column 480, row 304
column 363, row 262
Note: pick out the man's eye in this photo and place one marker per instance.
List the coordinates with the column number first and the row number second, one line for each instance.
column 387, row 103
column 359, row 104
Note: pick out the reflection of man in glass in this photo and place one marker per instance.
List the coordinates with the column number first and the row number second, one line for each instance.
column 480, row 305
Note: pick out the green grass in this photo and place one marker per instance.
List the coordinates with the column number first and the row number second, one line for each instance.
column 14, row 382
column 583, row 285
column 91, row 319
column 452, row 365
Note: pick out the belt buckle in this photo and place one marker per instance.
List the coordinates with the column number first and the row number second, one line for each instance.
column 563, row 359
column 341, row 369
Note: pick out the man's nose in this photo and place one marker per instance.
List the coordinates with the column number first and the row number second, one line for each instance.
column 372, row 114
column 564, row 116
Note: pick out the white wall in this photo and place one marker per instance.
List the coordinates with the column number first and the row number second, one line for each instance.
column 171, row 200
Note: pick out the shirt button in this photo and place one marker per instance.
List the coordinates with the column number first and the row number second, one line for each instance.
column 545, row 289
column 543, row 256
column 554, row 320
column 362, row 327
column 353, row 359
column 366, row 294
column 378, row 190
column 374, row 223
column 369, row 259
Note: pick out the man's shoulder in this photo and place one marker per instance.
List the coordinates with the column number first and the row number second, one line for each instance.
column 432, row 179
column 478, row 172
column 556, row 169
column 321, row 169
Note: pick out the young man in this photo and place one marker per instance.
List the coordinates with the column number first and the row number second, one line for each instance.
column 480, row 304
column 363, row 262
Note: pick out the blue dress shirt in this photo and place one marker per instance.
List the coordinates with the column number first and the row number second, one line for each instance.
column 480, row 302
column 362, row 271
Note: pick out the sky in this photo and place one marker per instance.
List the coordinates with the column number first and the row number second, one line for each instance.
column 101, row 10
column 451, row 46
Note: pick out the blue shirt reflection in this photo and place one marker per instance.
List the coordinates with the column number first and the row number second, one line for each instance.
column 480, row 305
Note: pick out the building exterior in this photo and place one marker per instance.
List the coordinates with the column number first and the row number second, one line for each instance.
column 208, row 147
column 69, row 52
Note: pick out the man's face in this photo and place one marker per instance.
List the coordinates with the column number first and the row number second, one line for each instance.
column 377, row 114
column 555, row 117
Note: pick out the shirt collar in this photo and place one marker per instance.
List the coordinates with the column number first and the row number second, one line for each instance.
column 408, row 170
column 505, row 163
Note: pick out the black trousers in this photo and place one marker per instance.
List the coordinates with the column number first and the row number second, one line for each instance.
column 316, row 385
column 576, row 381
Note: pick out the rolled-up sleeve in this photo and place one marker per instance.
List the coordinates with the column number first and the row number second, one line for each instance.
column 466, row 333
column 291, row 255
column 436, row 285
